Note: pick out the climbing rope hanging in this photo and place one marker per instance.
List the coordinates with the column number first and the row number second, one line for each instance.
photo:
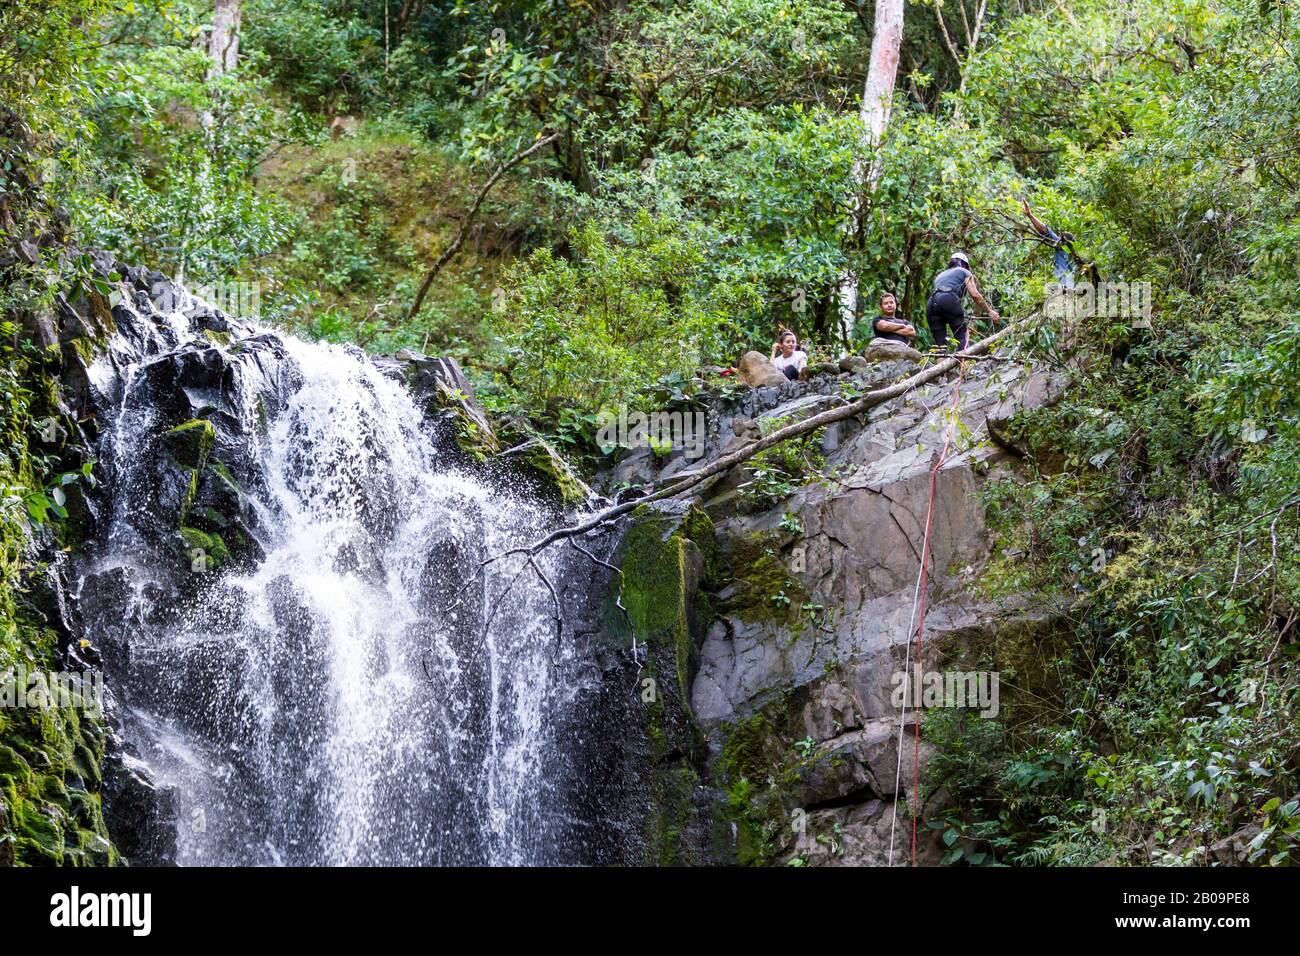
column 915, row 628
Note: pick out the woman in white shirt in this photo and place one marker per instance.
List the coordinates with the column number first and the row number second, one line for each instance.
column 787, row 357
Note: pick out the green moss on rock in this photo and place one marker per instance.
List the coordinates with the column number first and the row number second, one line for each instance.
column 204, row 546
column 750, row 770
column 49, row 816
column 666, row 560
column 189, row 445
column 545, row 463
column 763, row 588
column 50, row 759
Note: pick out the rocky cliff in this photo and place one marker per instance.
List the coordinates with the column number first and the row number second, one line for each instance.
column 793, row 681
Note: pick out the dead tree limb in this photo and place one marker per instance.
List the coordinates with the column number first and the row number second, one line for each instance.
column 465, row 224
column 691, row 479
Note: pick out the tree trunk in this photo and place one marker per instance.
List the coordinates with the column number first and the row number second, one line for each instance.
column 876, row 99
column 223, row 54
column 223, row 44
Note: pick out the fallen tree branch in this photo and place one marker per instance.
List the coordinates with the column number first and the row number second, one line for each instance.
column 687, row 480
column 456, row 243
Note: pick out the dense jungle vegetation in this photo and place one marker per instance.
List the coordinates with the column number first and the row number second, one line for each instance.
column 670, row 184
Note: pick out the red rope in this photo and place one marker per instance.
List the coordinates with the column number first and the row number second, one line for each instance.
column 920, row 625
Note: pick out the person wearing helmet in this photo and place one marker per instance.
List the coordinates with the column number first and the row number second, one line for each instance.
column 944, row 311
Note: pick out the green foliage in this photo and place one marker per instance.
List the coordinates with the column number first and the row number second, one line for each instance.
column 47, row 63
column 321, row 53
column 587, row 332
column 632, row 78
column 192, row 207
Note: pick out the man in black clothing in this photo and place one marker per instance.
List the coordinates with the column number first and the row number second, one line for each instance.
column 886, row 326
column 944, row 310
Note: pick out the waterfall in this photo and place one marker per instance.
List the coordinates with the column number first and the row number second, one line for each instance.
column 347, row 689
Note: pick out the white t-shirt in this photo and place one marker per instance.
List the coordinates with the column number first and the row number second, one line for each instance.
column 798, row 359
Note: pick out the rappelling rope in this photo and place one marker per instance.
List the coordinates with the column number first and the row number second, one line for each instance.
column 915, row 627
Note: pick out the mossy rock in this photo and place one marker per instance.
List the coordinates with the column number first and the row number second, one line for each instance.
column 190, row 443
column 15, row 767
column 219, row 510
column 204, row 546
column 445, row 393
column 762, row 588
column 92, row 326
column 47, row 816
column 540, row 463
column 668, row 560
column 751, row 769
column 763, row 774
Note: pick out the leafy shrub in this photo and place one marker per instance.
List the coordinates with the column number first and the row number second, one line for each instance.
column 588, row 332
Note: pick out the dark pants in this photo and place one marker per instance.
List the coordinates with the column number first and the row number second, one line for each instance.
column 943, row 313
column 791, row 373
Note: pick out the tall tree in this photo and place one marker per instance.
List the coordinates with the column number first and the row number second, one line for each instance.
column 877, row 97
column 223, row 43
column 223, row 51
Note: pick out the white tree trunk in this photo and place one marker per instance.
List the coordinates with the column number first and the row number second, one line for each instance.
column 223, row 52
column 877, row 97
column 223, row 44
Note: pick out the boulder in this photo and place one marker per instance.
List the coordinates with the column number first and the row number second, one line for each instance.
column 445, row 392
column 887, row 350
column 1235, row 849
column 538, row 470
column 758, row 371
column 814, row 369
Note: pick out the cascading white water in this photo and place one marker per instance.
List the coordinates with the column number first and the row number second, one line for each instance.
column 350, row 696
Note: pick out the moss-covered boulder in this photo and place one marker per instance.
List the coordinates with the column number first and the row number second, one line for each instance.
column 190, row 443
column 188, row 446
column 668, row 558
column 51, row 812
column 544, row 473
column 206, row 551
column 662, row 603
column 447, row 395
